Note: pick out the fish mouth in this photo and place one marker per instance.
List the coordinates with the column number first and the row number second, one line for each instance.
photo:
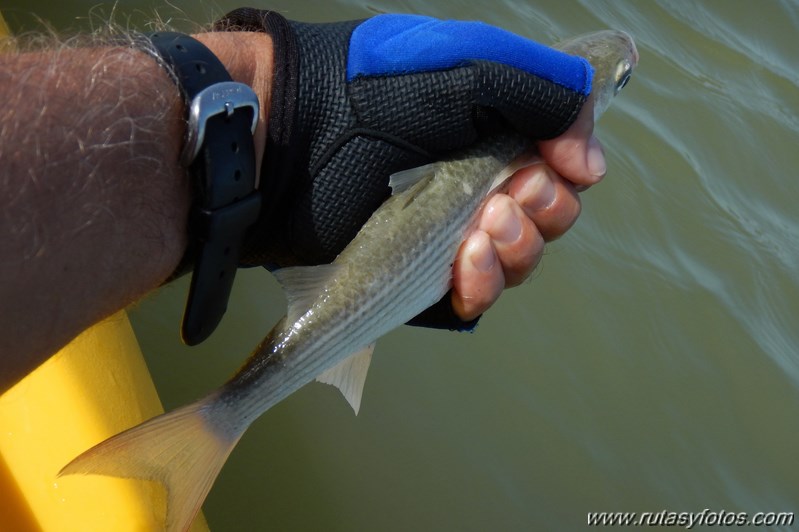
column 633, row 48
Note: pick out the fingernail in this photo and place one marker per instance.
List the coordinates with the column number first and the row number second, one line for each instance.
column 538, row 193
column 507, row 228
column 481, row 253
column 595, row 158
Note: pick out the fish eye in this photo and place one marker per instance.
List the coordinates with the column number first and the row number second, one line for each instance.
column 623, row 75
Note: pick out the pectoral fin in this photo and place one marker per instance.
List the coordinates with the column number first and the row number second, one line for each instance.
column 527, row 158
column 349, row 376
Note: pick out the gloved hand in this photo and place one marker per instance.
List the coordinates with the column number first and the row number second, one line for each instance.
column 354, row 102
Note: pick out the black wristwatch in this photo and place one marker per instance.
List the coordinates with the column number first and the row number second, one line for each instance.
column 220, row 156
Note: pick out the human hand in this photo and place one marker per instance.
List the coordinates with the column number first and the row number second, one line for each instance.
column 540, row 203
column 380, row 96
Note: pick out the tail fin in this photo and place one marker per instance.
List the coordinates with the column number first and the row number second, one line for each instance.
column 183, row 449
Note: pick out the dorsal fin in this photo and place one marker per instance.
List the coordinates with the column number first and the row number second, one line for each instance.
column 349, row 376
column 302, row 285
column 402, row 181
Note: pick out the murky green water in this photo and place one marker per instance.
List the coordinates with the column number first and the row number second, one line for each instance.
column 653, row 362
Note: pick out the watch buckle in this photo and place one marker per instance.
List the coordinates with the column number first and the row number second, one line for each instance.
column 220, row 98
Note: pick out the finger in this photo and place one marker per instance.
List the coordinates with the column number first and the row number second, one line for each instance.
column 551, row 202
column 516, row 240
column 577, row 154
column 477, row 277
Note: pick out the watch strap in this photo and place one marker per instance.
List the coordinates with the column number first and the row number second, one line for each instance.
column 220, row 155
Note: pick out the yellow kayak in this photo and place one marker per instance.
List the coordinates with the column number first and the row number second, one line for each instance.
column 95, row 387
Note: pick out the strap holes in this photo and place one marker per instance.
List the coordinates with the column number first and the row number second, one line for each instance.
column 221, row 274
column 200, row 68
column 237, row 175
column 235, row 147
column 180, row 48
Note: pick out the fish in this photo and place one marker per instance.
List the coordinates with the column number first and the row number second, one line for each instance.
column 398, row 264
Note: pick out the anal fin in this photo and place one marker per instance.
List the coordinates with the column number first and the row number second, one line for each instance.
column 349, row 376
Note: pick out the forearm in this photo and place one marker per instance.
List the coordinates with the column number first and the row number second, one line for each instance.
column 93, row 200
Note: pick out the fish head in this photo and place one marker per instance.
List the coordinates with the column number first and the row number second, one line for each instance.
column 613, row 56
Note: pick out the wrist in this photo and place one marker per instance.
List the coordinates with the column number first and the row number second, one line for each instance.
column 248, row 58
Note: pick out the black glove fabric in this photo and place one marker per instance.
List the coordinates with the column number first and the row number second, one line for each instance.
column 354, row 102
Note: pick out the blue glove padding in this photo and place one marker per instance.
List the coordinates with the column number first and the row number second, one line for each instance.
column 389, row 45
